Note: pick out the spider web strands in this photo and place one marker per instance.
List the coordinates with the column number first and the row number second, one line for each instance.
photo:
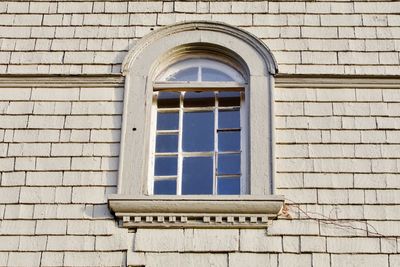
column 328, row 220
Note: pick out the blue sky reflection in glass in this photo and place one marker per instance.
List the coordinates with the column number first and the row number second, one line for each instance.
column 228, row 185
column 213, row 75
column 167, row 143
column 200, row 70
column 229, row 163
column 197, row 176
column 189, row 74
column 167, row 120
column 165, row 187
column 198, row 131
column 166, row 166
column 228, row 141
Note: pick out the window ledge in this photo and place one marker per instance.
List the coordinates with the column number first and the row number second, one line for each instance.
column 247, row 211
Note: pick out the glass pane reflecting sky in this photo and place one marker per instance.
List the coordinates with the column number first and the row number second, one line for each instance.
column 165, row 166
column 197, row 175
column 203, row 166
column 229, row 163
column 167, row 121
column 198, row 131
column 189, row 74
column 213, row 75
column 167, row 143
column 229, row 186
column 165, row 187
column 229, row 141
column 212, row 71
column 228, row 119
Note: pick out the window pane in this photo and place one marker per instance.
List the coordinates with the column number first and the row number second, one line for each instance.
column 198, row 131
column 167, row 121
column 197, row 175
column 229, row 186
column 229, row 99
column 168, row 100
column 228, row 119
column 212, row 70
column 213, row 75
column 229, row 163
column 199, row 99
column 189, row 74
column 165, row 187
column 165, row 166
column 229, row 141
column 167, row 143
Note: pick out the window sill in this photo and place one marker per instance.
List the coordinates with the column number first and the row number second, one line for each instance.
column 246, row 211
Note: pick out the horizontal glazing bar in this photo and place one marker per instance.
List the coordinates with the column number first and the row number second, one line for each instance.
column 187, row 86
column 229, row 152
column 229, row 176
column 167, row 110
column 211, row 108
column 160, row 132
column 193, row 154
column 229, row 130
column 166, row 177
column 166, row 154
column 197, row 154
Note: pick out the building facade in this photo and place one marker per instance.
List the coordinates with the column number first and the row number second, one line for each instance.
column 320, row 94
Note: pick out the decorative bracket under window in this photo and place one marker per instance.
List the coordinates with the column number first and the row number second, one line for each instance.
column 195, row 211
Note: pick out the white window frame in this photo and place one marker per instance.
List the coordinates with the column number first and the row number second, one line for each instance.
column 142, row 64
column 239, row 84
column 243, row 141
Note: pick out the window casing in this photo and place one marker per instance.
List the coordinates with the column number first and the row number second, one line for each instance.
column 134, row 201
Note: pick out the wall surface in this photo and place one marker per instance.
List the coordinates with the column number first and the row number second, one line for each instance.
column 79, row 37
column 59, row 156
column 337, row 145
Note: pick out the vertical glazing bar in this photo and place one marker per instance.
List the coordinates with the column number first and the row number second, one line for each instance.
column 199, row 74
column 153, row 135
column 180, row 134
column 244, row 183
column 215, row 157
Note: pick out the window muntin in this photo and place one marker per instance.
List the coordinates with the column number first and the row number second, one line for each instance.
column 201, row 133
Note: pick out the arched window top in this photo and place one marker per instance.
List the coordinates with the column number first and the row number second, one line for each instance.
column 200, row 70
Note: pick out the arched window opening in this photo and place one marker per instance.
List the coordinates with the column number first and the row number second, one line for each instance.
column 200, row 70
column 199, row 137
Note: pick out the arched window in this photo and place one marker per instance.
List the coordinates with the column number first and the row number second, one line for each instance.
column 199, row 140
column 200, row 70
column 197, row 124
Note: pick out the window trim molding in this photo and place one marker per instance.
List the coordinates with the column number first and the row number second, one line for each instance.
column 164, row 46
column 216, row 27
